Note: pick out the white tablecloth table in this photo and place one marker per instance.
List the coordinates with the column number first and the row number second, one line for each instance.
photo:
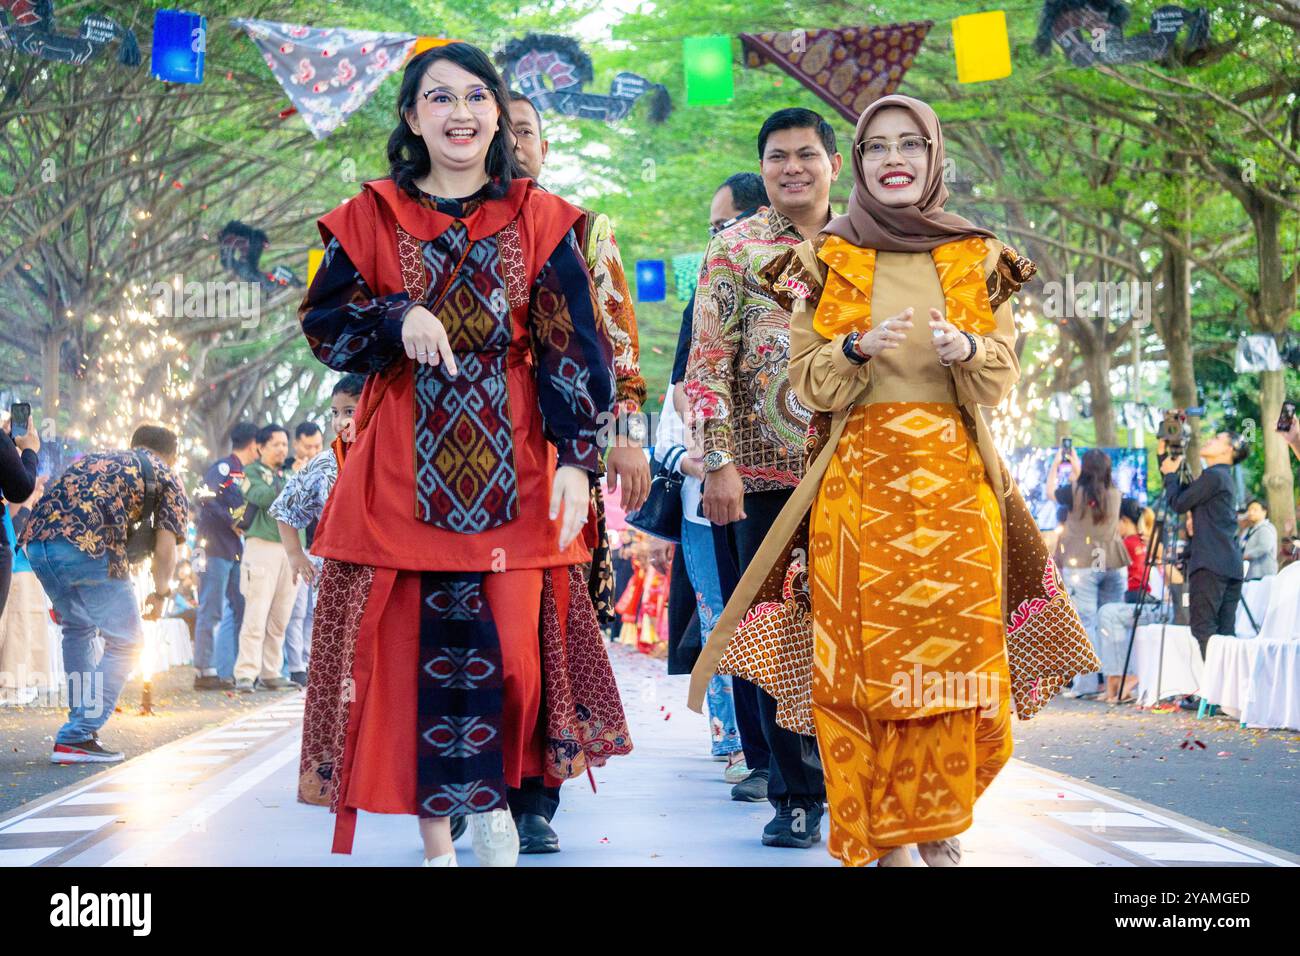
column 1178, row 674
column 1255, row 596
column 1282, row 619
column 1229, row 662
column 1274, row 696
column 166, row 644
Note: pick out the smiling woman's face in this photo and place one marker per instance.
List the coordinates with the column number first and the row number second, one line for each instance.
column 893, row 179
column 460, row 138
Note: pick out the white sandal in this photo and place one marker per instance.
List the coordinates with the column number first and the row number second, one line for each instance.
column 447, row 859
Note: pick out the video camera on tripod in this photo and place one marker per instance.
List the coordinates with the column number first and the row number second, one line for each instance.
column 1174, row 430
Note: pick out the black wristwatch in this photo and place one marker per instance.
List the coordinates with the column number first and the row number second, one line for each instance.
column 850, row 347
column 162, row 597
column 973, row 347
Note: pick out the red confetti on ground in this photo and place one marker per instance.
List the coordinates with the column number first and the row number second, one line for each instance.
column 667, row 715
column 604, row 839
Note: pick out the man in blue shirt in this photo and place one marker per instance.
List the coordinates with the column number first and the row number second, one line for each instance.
column 221, row 543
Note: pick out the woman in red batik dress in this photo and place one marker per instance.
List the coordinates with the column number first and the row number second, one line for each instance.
column 451, row 598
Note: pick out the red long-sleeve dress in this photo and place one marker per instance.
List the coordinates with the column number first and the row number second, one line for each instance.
column 448, row 474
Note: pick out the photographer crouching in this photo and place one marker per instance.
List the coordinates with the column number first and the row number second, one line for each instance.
column 106, row 510
column 1214, row 564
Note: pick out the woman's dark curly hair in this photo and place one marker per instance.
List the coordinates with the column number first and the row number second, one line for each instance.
column 408, row 159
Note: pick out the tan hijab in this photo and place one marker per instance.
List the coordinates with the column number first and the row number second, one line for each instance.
column 870, row 224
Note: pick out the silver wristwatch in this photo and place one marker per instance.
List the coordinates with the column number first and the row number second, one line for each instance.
column 716, row 459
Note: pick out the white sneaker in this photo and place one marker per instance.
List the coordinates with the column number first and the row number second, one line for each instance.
column 494, row 837
column 447, row 859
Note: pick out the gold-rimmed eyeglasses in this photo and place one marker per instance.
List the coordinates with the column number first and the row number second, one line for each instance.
column 443, row 102
column 909, row 146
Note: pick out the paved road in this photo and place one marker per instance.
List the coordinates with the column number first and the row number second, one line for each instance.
column 1240, row 779
column 225, row 797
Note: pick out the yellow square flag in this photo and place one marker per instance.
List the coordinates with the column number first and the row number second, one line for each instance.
column 314, row 258
column 982, row 47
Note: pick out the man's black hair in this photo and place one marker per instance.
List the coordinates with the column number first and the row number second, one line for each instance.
column 1240, row 447
column 517, row 97
column 266, row 431
column 747, row 190
column 350, row 384
column 306, row 430
column 242, row 435
column 156, row 438
column 796, row 117
column 1257, row 501
column 1131, row 508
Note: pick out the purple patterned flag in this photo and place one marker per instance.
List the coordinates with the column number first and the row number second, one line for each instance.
column 328, row 73
column 850, row 68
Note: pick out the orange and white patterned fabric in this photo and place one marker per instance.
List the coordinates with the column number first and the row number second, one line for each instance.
column 906, row 561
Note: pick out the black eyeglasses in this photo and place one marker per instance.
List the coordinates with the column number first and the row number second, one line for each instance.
column 727, row 224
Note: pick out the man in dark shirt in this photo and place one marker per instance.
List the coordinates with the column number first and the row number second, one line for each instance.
column 76, row 541
column 1214, row 562
column 222, row 549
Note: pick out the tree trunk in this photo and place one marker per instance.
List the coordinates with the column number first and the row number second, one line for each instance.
column 1273, row 314
column 1177, row 337
column 51, row 353
column 1096, row 364
column 1277, row 454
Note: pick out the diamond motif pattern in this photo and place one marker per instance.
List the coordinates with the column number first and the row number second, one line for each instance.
column 465, row 478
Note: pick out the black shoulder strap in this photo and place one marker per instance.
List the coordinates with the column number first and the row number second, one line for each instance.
column 149, row 504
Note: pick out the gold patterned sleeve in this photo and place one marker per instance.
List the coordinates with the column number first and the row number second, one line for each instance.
column 990, row 374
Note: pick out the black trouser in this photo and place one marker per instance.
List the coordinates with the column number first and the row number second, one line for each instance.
column 793, row 763
column 1212, row 605
column 533, row 796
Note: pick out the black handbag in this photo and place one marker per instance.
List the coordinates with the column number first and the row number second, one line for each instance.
column 661, row 514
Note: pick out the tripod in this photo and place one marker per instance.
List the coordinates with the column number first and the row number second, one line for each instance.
column 1166, row 534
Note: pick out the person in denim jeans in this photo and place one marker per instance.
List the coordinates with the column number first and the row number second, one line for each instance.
column 221, row 604
column 702, row 570
column 76, row 544
column 1090, row 553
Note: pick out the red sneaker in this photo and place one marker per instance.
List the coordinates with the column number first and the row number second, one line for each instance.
column 85, row 751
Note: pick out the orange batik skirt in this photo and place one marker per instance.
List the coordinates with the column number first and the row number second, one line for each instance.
column 910, row 689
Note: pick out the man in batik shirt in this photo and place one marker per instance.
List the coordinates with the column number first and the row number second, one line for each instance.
column 76, row 541
column 626, row 464
column 751, row 427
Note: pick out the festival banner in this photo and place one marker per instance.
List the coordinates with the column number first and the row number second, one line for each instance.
column 328, row 73
column 551, row 71
column 849, row 67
